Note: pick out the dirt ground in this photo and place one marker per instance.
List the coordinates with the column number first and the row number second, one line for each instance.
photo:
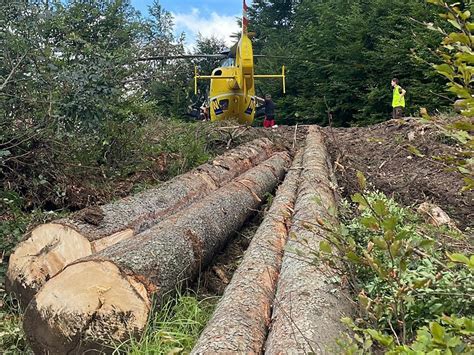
column 385, row 154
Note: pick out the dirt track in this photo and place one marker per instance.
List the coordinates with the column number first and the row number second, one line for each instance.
column 382, row 153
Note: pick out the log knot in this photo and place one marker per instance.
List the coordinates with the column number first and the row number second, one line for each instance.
column 92, row 215
column 197, row 245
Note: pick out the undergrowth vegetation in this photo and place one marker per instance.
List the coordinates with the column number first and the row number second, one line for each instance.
column 412, row 281
column 12, row 337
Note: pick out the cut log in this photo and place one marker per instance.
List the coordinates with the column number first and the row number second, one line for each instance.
column 107, row 296
column 48, row 248
column 308, row 305
column 239, row 323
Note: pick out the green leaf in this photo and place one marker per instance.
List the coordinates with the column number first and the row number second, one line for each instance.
column 426, row 244
column 385, row 340
column 380, row 207
column 370, row 222
column 437, row 331
column 358, row 198
column 453, row 342
column 458, row 258
column 415, row 151
column 419, row 283
column 325, row 247
column 403, row 265
column 459, row 90
column 363, row 300
column 463, row 170
column 361, row 180
column 446, row 70
column 380, row 243
column 455, row 24
column 395, row 248
column 390, row 223
column 468, row 184
column 348, row 322
column 353, row 257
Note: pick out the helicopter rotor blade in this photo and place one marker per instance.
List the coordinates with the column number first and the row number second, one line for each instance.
column 297, row 59
column 224, row 55
column 181, row 56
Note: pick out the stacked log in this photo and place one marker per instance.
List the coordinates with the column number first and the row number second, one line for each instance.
column 107, row 297
column 308, row 305
column 239, row 323
column 47, row 249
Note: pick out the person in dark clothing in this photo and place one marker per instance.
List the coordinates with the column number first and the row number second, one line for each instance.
column 269, row 112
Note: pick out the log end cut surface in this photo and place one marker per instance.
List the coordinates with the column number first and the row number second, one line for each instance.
column 41, row 256
column 88, row 303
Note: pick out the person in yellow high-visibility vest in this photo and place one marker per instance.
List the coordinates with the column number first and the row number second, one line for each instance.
column 398, row 101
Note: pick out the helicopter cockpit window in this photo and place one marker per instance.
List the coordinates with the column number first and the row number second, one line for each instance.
column 228, row 62
column 224, row 104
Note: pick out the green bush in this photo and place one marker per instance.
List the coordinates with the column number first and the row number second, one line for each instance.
column 413, row 285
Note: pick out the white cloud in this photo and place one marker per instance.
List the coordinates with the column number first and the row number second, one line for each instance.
column 219, row 26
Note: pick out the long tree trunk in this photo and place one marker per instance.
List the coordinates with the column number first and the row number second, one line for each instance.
column 107, row 296
column 308, row 305
column 48, row 248
column 239, row 323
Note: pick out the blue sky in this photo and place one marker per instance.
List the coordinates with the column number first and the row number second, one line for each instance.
column 208, row 17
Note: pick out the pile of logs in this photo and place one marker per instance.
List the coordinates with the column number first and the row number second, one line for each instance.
column 108, row 295
column 278, row 301
column 48, row 248
column 92, row 280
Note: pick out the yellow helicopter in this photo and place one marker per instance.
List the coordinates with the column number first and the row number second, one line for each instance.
column 232, row 88
column 232, row 85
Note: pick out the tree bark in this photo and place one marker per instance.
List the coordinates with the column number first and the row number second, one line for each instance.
column 48, row 248
column 107, row 296
column 239, row 323
column 308, row 305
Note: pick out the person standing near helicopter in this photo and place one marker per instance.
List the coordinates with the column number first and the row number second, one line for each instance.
column 398, row 100
column 269, row 120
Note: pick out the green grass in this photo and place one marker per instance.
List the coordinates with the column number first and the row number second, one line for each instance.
column 12, row 337
column 173, row 329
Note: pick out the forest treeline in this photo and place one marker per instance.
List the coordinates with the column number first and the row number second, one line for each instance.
column 78, row 107
column 74, row 63
column 347, row 52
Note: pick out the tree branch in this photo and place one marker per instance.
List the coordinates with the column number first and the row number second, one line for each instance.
column 2, row 86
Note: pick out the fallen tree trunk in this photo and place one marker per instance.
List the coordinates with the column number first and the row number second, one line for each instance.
column 107, row 296
column 239, row 323
column 48, row 248
column 308, row 305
